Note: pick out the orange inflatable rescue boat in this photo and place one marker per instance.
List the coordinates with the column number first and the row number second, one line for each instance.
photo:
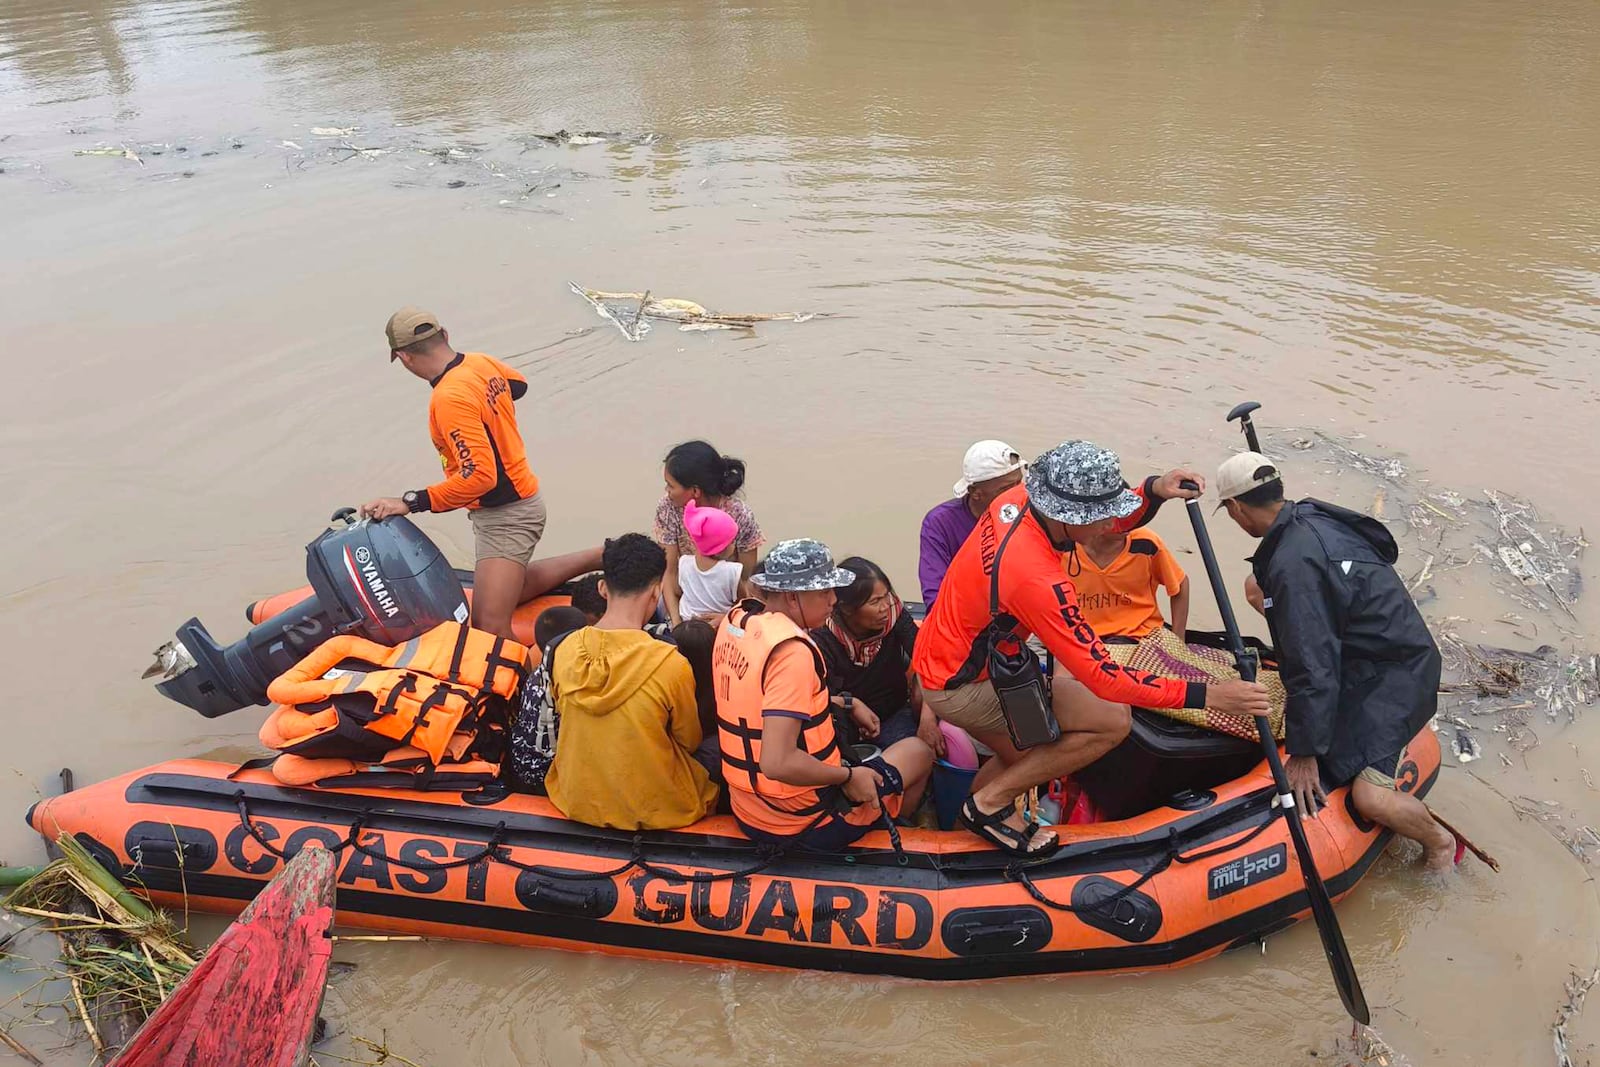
column 1194, row 860
column 1209, row 870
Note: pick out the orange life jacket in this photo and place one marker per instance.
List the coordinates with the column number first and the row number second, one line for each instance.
column 400, row 768
column 746, row 640
column 350, row 692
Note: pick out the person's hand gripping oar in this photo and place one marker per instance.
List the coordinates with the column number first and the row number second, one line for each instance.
column 1333, row 946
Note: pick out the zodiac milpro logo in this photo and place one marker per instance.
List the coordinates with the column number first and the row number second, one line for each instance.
column 1246, row 871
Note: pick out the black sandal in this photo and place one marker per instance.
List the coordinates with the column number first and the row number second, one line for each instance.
column 991, row 826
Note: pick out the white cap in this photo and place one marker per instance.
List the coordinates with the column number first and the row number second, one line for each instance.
column 985, row 460
column 1244, row 472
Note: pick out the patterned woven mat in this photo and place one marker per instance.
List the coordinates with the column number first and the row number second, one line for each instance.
column 1162, row 653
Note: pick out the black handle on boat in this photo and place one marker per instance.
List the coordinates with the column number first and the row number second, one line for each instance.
column 1333, row 946
column 344, row 515
column 1242, row 413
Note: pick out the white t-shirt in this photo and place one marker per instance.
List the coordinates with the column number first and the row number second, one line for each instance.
column 712, row 592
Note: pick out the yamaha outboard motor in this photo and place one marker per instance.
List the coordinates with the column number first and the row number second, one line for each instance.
column 385, row 581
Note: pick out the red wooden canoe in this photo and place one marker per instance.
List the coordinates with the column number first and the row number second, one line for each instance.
column 254, row 998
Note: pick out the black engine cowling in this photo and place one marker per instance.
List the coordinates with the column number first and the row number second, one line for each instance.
column 385, row 581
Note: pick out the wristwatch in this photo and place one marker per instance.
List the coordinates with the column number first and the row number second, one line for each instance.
column 416, row 500
column 849, row 703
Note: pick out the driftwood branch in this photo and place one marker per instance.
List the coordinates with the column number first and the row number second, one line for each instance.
column 1494, row 864
column 20, row 1049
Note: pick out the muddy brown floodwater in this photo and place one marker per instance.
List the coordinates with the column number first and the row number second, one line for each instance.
column 1025, row 220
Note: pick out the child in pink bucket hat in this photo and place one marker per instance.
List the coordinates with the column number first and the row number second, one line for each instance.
column 710, row 578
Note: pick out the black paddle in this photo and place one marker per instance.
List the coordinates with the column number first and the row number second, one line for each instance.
column 1242, row 413
column 1333, row 946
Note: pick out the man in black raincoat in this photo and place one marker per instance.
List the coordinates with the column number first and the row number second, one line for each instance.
column 1360, row 667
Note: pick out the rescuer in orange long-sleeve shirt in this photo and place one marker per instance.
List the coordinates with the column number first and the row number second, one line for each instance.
column 473, row 422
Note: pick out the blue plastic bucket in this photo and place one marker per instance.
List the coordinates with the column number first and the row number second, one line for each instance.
column 951, row 785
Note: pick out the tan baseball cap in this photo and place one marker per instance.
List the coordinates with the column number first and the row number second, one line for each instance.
column 410, row 325
column 1244, row 472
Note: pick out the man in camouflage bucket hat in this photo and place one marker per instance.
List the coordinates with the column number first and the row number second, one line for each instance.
column 787, row 780
column 1072, row 492
column 802, row 566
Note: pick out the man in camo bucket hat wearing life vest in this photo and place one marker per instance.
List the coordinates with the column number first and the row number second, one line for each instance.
column 787, row 779
column 1072, row 492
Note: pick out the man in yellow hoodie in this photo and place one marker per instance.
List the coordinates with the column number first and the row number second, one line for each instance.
column 629, row 721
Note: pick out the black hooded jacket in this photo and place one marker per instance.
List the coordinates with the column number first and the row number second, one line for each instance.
column 1360, row 666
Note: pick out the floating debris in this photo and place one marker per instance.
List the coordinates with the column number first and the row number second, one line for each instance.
column 1365, row 1048
column 1562, row 684
column 119, row 152
column 704, row 327
column 1578, row 988
column 1517, row 563
column 504, row 161
column 20, row 1049
column 1466, row 747
column 636, row 308
column 357, row 150
column 1389, row 469
column 1536, row 553
column 589, row 137
column 1532, row 562
column 120, row 958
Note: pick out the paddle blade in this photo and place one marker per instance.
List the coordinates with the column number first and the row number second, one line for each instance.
column 1333, row 946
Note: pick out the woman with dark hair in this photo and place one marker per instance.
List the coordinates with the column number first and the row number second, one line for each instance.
column 694, row 638
column 696, row 471
column 866, row 643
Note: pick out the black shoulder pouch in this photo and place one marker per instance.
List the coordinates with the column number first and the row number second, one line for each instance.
column 1014, row 670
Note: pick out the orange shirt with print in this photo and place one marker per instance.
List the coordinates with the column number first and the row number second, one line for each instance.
column 473, row 423
column 1119, row 600
column 1042, row 598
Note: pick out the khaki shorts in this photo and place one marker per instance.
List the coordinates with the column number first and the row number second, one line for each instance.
column 510, row 531
column 1384, row 773
column 975, row 707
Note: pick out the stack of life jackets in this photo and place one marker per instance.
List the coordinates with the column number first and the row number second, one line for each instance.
column 428, row 714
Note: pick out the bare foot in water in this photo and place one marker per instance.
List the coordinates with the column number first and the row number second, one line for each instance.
column 1439, row 855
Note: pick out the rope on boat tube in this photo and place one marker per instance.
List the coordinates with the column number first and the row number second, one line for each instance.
column 1019, row 873
column 254, row 831
column 495, row 850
